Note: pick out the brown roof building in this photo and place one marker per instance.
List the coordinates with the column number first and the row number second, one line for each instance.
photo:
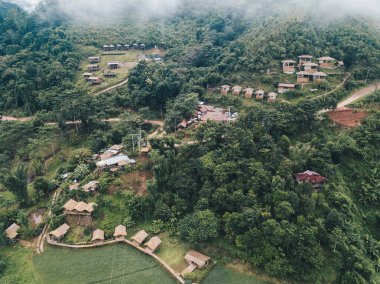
column 304, row 59
column 97, row 236
column 283, row 87
column 248, row 93
column 95, row 80
column 236, row 90
column 272, row 97
column 58, row 233
column 73, row 207
column 94, row 59
column 260, row 94
column 152, row 244
column 327, row 62
column 288, row 66
column 139, row 238
column 74, row 186
column 225, row 89
column 91, row 186
column 120, row 232
column 93, row 67
column 11, row 231
column 196, row 258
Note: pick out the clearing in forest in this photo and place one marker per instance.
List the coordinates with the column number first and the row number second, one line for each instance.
column 347, row 117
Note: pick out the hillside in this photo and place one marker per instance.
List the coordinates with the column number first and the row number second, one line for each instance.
column 272, row 187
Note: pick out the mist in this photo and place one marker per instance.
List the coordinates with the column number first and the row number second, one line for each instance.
column 100, row 11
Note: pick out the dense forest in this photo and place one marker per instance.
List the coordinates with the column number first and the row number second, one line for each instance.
column 232, row 189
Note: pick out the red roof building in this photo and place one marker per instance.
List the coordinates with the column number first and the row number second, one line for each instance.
column 313, row 178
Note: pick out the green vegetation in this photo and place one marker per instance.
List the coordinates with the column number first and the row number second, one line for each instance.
column 221, row 274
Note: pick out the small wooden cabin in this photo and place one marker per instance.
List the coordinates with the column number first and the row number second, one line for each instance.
column 284, row 87
column 120, row 232
column 152, row 245
column 139, row 238
column 59, row 233
column 93, row 67
column 248, row 93
column 236, row 90
column 119, row 47
column 12, row 233
column 142, row 46
column 111, row 47
column 304, row 59
column 272, row 96
column 97, row 236
column 106, row 47
column 310, row 67
column 113, row 65
column 327, row 62
column 197, row 259
column 95, row 80
column 91, row 186
column 94, row 59
column 74, row 186
column 225, row 89
column 87, row 75
column 110, row 74
column 260, row 94
column 313, row 178
column 135, row 46
column 303, row 77
column 126, row 47
column 288, row 66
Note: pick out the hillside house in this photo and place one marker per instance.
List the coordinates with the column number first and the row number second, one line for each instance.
column 260, row 94
column 288, row 66
column 116, row 161
column 94, row 59
column 91, row 186
column 95, row 80
column 197, row 259
column 152, row 245
column 126, row 47
column 142, row 46
column 135, row 46
column 327, row 62
column 272, row 96
column 139, row 238
column 87, row 75
column 59, row 233
column 120, row 232
column 108, row 154
column 119, row 47
column 225, row 89
column 74, row 186
column 182, row 125
column 110, row 74
column 97, row 237
column 145, row 151
column 302, row 59
column 111, row 47
column 284, row 87
column 319, row 77
column 93, row 67
column 106, row 47
column 313, row 178
column 73, row 207
column 236, row 90
column 307, row 77
column 117, row 147
column 248, row 93
column 310, row 67
column 11, row 232
column 113, row 65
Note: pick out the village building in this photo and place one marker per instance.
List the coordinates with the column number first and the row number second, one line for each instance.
column 236, row 90
column 152, row 245
column 145, row 151
column 310, row 67
column 111, row 47
column 119, row 47
column 108, row 154
column 110, row 74
column 142, row 46
column 97, row 237
column 327, row 62
column 225, row 89
column 272, row 96
column 307, row 77
column 120, row 232
column 182, row 125
column 95, row 80
column 73, row 207
column 304, row 59
column 288, row 66
column 340, row 63
column 87, row 75
column 106, row 47
column 11, row 232
column 59, row 233
column 313, row 178
column 260, row 94
column 94, row 59
column 91, row 186
column 319, row 76
column 284, row 87
column 117, row 148
column 113, row 65
column 74, row 186
column 197, row 259
column 248, row 93
column 93, row 67
column 115, row 161
column 126, row 47
column 139, row 238
column 135, row 46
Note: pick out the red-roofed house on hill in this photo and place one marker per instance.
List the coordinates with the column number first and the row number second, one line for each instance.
column 313, row 178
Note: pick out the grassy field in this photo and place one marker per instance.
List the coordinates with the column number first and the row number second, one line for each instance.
column 221, row 274
column 112, row 265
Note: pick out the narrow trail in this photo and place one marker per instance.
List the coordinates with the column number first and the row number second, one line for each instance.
column 112, row 87
column 359, row 94
column 335, row 89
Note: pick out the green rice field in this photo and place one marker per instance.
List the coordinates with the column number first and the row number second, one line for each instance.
column 220, row 274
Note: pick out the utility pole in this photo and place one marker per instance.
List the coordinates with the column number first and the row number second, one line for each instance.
column 366, row 78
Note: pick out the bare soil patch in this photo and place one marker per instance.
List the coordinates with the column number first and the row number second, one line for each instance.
column 347, row 117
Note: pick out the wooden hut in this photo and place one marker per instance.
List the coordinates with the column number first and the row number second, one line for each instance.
column 111, row 47
column 142, row 46
column 94, row 59
column 327, row 62
column 135, row 46
column 119, row 47
column 197, row 259
column 260, row 94
column 93, row 67
column 126, row 47
column 139, row 238
column 288, row 66
column 113, row 65
column 106, row 47
column 319, row 77
column 87, row 75
column 11, row 232
column 303, row 77
column 117, row 147
column 225, row 89
column 120, row 232
column 95, row 80
column 97, row 236
column 152, row 245
column 248, row 93
column 272, row 97
column 91, row 186
column 60, row 232
column 313, row 178
column 284, row 87
column 304, row 59
column 310, row 67
column 236, row 90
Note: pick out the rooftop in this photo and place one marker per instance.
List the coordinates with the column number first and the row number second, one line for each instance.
column 114, row 161
column 11, row 231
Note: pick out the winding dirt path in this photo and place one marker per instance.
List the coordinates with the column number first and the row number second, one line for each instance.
column 359, row 94
column 112, row 87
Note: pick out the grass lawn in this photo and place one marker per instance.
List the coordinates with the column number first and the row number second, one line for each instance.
column 220, row 274
column 110, row 264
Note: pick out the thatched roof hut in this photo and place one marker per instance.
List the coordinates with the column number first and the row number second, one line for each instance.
column 11, row 231
column 120, row 232
column 197, row 258
column 97, row 236
column 60, row 231
column 140, row 237
column 153, row 244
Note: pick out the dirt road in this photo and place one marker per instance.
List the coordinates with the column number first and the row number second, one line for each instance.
column 112, row 88
column 359, row 94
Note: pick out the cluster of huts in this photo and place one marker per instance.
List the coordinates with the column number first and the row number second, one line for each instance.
column 119, row 46
column 309, row 71
column 113, row 159
column 94, row 66
column 249, row 93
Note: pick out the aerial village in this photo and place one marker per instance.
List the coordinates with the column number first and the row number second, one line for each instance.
column 115, row 161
